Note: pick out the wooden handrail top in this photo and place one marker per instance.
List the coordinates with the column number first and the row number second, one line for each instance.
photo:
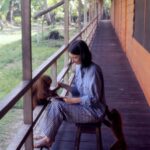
column 13, row 97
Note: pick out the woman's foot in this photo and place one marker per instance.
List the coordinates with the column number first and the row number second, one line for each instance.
column 119, row 145
column 43, row 142
column 38, row 137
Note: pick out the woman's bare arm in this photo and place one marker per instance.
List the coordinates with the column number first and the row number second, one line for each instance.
column 65, row 86
column 72, row 100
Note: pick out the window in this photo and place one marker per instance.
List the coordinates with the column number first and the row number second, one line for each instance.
column 142, row 23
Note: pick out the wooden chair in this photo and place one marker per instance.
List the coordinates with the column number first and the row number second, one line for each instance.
column 89, row 128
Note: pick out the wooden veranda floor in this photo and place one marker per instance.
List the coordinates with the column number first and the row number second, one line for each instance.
column 122, row 92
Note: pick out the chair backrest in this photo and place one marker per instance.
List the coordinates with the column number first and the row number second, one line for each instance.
column 102, row 82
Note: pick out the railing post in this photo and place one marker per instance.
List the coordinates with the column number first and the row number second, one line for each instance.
column 90, row 11
column 54, row 74
column 85, row 12
column 66, row 34
column 97, row 11
column 27, row 66
column 79, row 17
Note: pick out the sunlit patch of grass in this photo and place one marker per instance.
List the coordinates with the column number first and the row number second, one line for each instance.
column 9, row 126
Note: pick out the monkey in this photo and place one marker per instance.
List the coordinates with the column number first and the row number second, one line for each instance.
column 41, row 91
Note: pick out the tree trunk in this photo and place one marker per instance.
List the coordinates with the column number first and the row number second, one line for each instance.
column 1, row 25
column 43, row 12
column 47, row 16
column 9, row 17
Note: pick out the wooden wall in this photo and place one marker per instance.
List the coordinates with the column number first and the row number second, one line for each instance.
column 122, row 16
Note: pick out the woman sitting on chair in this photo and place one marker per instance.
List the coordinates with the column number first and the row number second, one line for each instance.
column 87, row 103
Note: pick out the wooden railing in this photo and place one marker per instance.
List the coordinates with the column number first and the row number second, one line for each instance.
column 12, row 98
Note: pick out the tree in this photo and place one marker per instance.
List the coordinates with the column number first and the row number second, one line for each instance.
column 106, row 10
column 45, row 8
column 8, row 9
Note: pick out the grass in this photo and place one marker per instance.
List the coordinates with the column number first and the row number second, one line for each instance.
column 8, row 127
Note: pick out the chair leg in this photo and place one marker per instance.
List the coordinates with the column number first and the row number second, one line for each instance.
column 44, row 148
column 77, row 140
column 99, row 139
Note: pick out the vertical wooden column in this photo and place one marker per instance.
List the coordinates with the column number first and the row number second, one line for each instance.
column 95, row 10
column 66, row 34
column 27, row 66
column 92, row 6
column 79, row 19
column 100, row 9
column 96, row 3
column 54, row 74
column 66, row 28
column 90, row 11
column 85, row 12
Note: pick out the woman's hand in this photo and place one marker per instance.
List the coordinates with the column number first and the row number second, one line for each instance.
column 60, row 84
column 71, row 100
column 67, row 100
column 65, row 86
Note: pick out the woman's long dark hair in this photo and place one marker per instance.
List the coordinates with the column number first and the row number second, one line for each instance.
column 79, row 47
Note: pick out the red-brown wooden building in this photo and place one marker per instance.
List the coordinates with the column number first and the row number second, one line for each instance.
column 131, row 21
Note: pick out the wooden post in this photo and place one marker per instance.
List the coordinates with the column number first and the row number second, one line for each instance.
column 97, row 9
column 79, row 17
column 66, row 34
column 90, row 10
column 54, row 74
column 27, row 66
column 85, row 12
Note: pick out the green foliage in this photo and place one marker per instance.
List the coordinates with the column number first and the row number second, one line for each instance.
column 17, row 20
column 4, row 5
column 107, row 3
column 74, row 8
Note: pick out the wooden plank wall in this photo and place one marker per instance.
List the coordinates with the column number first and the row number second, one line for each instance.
column 123, row 20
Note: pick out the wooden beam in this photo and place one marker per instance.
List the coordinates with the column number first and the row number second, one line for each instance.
column 63, row 72
column 10, row 100
column 85, row 13
column 66, row 34
column 53, row 70
column 43, row 12
column 66, row 22
column 79, row 17
column 27, row 67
